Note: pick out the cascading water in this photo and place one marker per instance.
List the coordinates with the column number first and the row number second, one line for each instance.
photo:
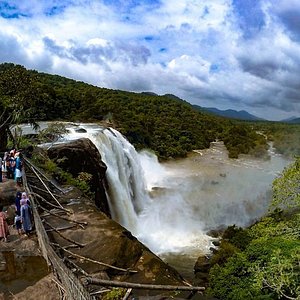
column 126, row 193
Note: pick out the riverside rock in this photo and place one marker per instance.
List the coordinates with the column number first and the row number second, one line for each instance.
column 104, row 239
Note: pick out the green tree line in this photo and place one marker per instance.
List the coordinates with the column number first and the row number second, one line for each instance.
column 169, row 126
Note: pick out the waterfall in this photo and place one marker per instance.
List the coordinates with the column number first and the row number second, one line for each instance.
column 127, row 189
column 164, row 222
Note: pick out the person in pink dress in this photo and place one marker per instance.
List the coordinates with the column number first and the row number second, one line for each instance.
column 4, row 232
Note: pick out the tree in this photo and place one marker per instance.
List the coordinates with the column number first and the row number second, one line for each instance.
column 17, row 95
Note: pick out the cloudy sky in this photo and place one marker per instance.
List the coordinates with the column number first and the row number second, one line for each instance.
column 239, row 54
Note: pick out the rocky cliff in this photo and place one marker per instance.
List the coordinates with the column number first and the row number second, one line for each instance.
column 82, row 156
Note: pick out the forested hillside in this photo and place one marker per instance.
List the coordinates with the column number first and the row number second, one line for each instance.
column 168, row 125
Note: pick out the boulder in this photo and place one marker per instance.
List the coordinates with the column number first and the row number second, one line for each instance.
column 202, row 264
column 82, row 156
column 44, row 289
column 201, row 268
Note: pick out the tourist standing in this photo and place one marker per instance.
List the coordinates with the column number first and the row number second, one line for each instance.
column 18, row 170
column 5, row 157
column 4, row 232
column 18, row 223
column 5, row 164
column 26, row 214
column 11, row 165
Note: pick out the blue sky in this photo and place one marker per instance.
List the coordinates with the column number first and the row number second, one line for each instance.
column 238, row 54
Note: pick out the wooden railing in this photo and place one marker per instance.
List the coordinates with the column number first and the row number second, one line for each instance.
column 71, row 285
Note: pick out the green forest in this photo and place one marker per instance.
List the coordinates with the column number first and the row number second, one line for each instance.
column 167, row 125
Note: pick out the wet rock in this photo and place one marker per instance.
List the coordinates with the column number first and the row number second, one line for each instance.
column 217, row 232
column 216, row 243
column 202, row 264
column 21, row 264
column 213, row 250
column 108, row 242
column 80, row 130
column 201, row 269
column 43, row 289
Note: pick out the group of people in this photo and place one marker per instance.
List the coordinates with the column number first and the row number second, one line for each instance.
column 23, row 219
column 11, row 165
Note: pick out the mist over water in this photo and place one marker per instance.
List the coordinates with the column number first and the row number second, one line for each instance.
column 205, row 191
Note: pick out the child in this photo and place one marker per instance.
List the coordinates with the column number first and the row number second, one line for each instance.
column 18, row 222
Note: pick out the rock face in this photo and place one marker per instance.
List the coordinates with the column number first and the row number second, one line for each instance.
column 201, row 268
column 21, row 265
column 8, row 191
column 82, row 156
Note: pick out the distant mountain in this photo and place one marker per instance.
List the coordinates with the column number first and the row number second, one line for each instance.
column 149, row 93
column 292, row 120
column 230, row 113
column 295, row 121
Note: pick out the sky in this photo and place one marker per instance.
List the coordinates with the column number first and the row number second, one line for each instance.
column 228, row 54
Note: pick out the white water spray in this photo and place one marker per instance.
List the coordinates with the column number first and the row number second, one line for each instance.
column 127, row 191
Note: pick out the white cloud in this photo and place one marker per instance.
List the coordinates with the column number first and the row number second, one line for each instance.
column 198, row 50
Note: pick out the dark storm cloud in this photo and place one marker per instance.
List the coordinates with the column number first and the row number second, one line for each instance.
column 289, row 15
column 262, row 69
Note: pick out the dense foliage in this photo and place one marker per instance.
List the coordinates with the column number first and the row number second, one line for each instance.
column 263, row 261
column 166, row 124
